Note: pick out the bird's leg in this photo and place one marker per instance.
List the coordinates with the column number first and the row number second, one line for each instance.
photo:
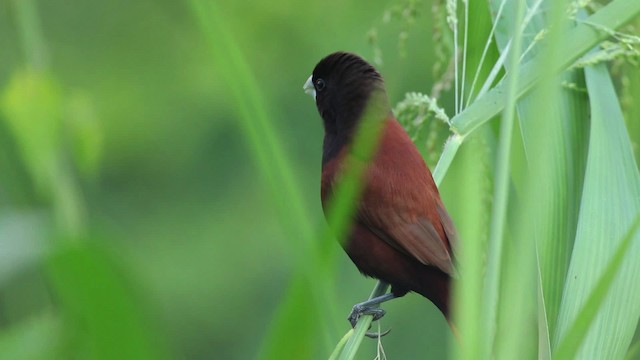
column 370, row 307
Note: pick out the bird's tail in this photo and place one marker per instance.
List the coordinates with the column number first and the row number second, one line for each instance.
column 436, row 286
column 454, row 329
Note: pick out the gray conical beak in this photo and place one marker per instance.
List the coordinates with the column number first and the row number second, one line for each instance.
column 309, row 88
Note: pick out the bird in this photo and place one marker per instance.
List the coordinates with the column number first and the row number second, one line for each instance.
column 400, row 232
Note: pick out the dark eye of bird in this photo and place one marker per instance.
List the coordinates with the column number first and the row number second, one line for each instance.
column 320, row 85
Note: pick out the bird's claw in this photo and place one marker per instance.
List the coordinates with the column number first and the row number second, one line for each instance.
column 377, row 313
column 359, row 310
column 375, row 335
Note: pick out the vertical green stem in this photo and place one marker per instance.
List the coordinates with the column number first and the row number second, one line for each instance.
column 501, row 192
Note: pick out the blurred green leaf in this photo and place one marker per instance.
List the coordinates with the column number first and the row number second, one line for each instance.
column 32, row 105
column 100, row 307
column 38, row 338
column 84, row 132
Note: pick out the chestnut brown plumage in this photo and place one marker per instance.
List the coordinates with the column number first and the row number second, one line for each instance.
column 401, row 232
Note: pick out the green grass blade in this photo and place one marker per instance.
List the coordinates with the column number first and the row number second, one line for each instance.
column 610, row 202
column 501, row 189
column 474, row 187
column 578, row 330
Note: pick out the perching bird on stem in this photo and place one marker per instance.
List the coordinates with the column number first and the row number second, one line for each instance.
column 400, row 232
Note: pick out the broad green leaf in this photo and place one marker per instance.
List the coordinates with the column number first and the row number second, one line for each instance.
column 575, row 335
column 610, row 202
column 566, row 114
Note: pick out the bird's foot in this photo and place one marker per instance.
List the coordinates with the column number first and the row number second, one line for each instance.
column 360, row 309
column 365, row 309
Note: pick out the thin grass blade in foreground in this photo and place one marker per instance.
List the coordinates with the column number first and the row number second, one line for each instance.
column 611, row 200
column 474, row 188
column 501, row 188
column 311, row 288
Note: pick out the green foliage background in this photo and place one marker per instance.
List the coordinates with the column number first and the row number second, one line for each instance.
column 137, row 218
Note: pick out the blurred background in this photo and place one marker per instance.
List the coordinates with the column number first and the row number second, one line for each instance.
column 140, row 216
column 134, row 221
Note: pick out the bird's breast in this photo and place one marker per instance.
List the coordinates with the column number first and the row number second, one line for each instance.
column 397, row 165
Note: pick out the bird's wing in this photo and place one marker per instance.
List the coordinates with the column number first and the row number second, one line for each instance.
column 412, row 220
column 418, row 239
column 449, row 228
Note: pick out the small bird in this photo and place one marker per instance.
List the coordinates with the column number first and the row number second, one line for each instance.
column 400, row 233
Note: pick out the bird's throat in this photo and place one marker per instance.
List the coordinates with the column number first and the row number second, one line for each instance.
column 332, row 144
